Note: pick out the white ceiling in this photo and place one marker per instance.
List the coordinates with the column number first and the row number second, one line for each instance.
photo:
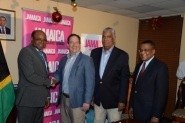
column 139, row 9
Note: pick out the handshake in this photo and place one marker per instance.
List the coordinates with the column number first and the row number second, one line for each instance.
column 54, row 82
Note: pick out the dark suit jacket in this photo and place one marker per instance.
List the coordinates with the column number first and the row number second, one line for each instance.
column 33, row 85
column 115, row 79
column 7, row 30
column 148, row 96
column 81, row 80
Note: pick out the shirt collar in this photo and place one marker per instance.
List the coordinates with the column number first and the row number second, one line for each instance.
column 108, row 51
column 148, row 61
column 75, row 55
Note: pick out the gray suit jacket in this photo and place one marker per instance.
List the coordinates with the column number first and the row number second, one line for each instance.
column 33, row 86
column 81, row 80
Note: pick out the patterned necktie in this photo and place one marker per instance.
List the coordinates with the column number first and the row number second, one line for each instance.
column 3, row 32
column 42, row 57
column 141, row 72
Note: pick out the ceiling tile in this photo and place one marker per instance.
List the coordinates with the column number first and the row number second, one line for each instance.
column 170, row 4
column 140, row 15
column 102, row 7
column 160, row 13
column 123, row 4
column 133, row 8
column 180, row 9
column 123, row 12
column 148, row 2
column 144, row 8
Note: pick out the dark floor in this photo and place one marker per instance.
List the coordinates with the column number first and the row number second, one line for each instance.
column 166, row 120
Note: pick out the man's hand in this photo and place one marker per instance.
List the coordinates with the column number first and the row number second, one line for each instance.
column 54, row 82
column 121, row 106
column 47, row 103
column 85, row 107
column 154, row 120
column 130, row 113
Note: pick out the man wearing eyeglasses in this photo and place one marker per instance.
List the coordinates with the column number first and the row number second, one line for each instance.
column 150, row 86
column 33, row 87
column 3, row 28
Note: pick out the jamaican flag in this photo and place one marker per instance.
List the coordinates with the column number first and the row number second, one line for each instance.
column 7, row 95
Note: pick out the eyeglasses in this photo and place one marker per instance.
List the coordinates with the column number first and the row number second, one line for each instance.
column 144, row 50
column 40, row 40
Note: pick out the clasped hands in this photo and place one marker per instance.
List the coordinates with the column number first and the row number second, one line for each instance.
column 54, row 82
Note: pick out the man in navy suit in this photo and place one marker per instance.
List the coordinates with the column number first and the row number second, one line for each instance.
column 111, row 79
column 76, row 77
column 150, row 86
column 3, row 28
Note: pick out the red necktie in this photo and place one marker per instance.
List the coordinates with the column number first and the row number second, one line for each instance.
column 141, row 72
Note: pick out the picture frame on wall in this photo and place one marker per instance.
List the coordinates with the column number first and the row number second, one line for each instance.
column 7, row 25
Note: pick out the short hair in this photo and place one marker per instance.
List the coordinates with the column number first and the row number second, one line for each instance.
column 72, row 36
column 3, row 17
column 34, row 32
column 149, row 42
column 110, row 29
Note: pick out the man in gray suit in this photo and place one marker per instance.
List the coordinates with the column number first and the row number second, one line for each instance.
column 76, row 76
column 33, row 87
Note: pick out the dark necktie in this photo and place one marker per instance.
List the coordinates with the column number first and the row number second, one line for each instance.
column 140, row 73
column 3, row 32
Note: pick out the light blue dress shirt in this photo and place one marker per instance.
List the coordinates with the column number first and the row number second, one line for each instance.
column 104, row 58
column 67, row 70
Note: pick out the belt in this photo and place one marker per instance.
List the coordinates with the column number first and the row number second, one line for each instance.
column 66, row 95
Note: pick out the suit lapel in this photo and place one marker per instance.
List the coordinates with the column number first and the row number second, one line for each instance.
column 99, row 54
column 75, row 65
column 37, row 55
column 147, row 70
column 110, row 62
column 136, row 72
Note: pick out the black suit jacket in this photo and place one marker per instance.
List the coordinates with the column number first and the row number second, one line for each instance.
column 7, row 30
column 149, row 94
column 114, row 86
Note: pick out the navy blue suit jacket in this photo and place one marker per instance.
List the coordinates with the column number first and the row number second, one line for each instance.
column 149, row 95
column 114, row 86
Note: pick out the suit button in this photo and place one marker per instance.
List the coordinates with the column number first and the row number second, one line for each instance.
column 135, row 91
column 100, row 82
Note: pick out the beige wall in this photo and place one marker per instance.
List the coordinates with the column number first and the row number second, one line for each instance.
column 85, row 21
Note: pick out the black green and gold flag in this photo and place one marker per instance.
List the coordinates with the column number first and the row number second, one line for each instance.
column 7, row 95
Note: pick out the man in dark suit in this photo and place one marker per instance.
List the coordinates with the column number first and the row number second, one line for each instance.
column 3, row 28
column 76, row 77
column 150, row 86
column 33, row 86
column 111, row 79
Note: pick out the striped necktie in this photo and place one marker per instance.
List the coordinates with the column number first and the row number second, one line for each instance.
column 140, row 73
column 3, row 32
column 42, row 57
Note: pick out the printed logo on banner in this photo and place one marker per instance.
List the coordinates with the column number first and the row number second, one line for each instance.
column 89, row 42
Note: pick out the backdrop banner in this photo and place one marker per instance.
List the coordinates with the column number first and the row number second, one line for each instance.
column 56, row 48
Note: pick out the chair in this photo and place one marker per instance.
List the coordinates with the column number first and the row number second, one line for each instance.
column 179, row 114
column 125, row 115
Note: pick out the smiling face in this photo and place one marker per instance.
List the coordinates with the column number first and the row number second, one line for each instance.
column 74, row 45
column 39, row 40
column 146, row 51
column 108, row 40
